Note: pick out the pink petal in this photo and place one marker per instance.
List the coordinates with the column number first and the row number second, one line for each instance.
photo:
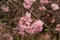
column 27, row 6
column 54, row 6
column 42, row 8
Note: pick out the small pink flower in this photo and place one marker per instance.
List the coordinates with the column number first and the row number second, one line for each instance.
column 20, row 22
column 54, row 6
column 39, row 29
column 28, row 23
column 28, row 15
column 44, row 1
column 23, row 19
column 5, row 8
column 29, row 20
column 39, row 23
column 21, row 31
column 27, row 3
column 23, row 27
column 57, row 27
column 30, row 31
column 27, row 6
column 38, row 26
column 53, row 20
column 42, row 8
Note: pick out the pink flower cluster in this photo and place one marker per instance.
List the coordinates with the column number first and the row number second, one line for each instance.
column 27, row 25
column 27, row 3
column 54, row 6
column 57, row 27
column 42, row 8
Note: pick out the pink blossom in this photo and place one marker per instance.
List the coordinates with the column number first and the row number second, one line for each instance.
column 28, row 23
column 57, row 27
column 54, row 6
column 23, row 27
column 30, row 30
column 5, row 8
column 39, row 23
column 44, row 1
column 27, row 6
column 38, row 29
column 28, row 26
column 42, row 8
column 21, row 31
column 28, row 15
column 38, row 26
column 27, row 3
column 52, row 20
column 29, row 20
column 23, row 19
